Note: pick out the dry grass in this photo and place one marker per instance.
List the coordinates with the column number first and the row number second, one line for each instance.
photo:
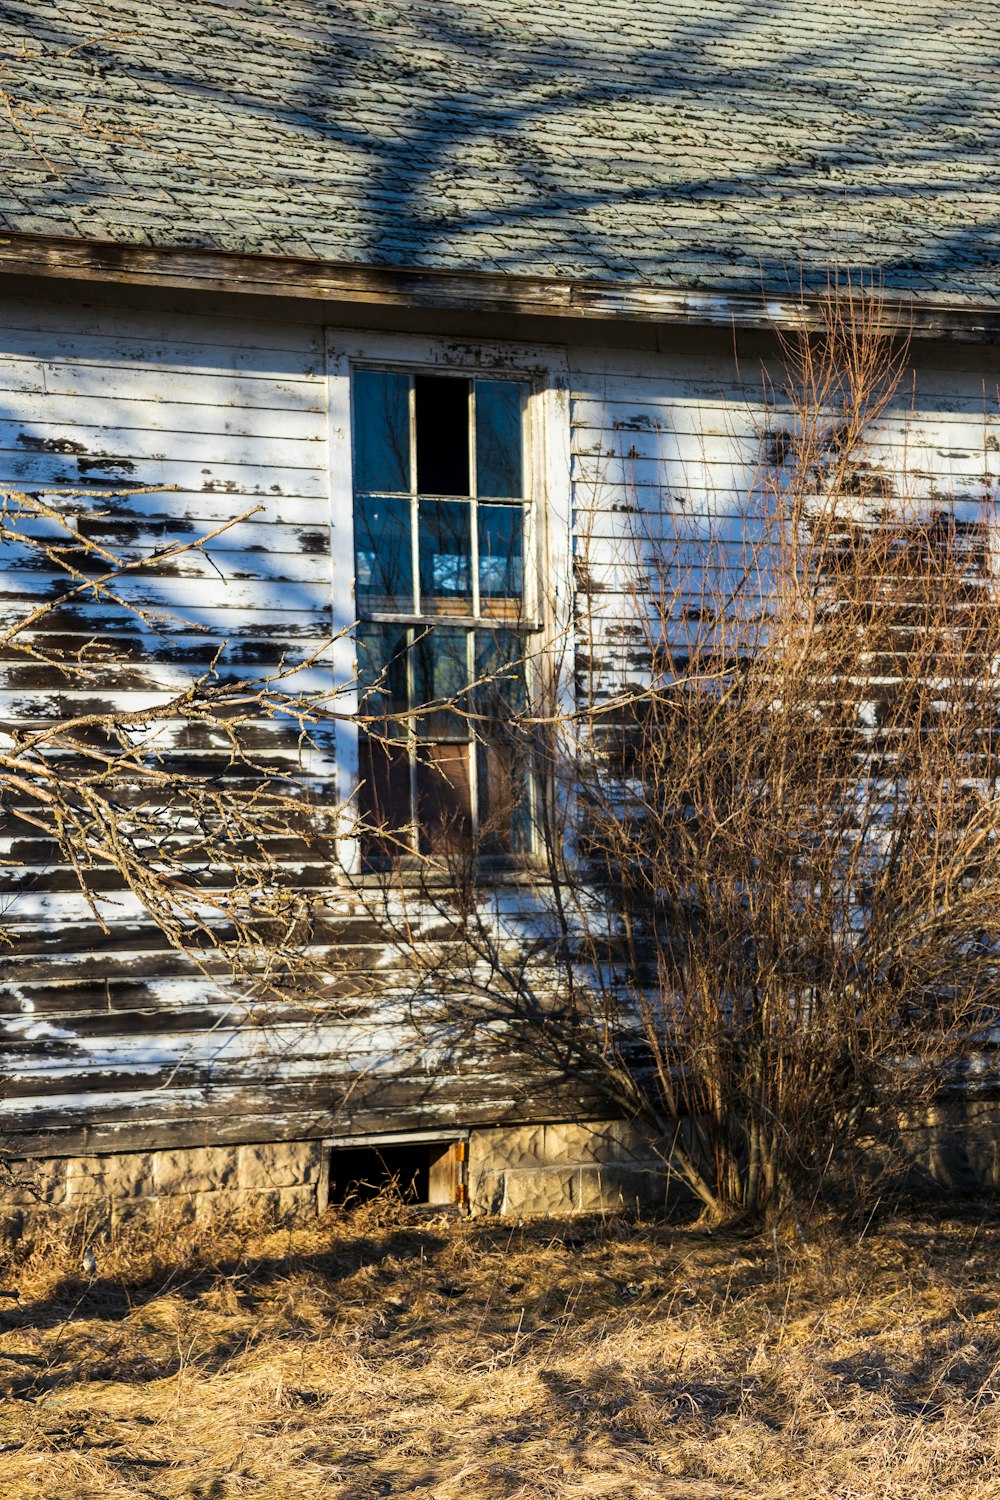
column 385, row 1354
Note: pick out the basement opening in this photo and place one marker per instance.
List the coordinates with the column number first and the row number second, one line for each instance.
column 430, row 1173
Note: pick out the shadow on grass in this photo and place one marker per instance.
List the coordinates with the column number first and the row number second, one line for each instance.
column 498, row 1291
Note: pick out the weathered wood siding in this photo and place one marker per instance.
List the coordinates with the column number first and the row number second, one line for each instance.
column 106, row 1035
column 682, row 437
column 109, row 1042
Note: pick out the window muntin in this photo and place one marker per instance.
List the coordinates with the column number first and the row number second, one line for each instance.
column 442, row 523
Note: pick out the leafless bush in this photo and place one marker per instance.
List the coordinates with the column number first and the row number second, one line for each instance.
column 760, row 918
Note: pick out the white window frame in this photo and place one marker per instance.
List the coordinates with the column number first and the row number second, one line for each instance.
column 548, row 492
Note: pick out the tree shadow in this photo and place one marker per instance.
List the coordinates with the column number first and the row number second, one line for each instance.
column 743, row 144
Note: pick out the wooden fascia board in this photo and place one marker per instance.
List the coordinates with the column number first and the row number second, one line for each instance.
column 279, row 276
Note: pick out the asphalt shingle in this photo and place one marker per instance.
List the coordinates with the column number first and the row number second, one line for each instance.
column 695, row 143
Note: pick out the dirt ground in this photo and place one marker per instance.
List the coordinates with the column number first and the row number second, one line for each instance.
column 384, row 1353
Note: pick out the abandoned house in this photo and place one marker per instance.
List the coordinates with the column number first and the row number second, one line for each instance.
column 420, row 286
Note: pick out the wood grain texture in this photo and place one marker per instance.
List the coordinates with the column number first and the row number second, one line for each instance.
column 928, row 315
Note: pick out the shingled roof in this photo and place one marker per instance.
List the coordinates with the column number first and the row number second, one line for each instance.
column 677, row 143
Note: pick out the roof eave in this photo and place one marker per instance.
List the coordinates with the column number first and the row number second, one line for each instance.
column 920, row 315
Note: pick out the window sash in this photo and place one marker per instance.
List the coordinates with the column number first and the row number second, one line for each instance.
column 425, row 741
column 547, row 616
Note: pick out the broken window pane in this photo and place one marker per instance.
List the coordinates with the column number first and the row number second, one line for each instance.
column 499, row 424
column 383, row 554
column 500, row 551
column 442, row 414
column 445, row 557
column 381, row 430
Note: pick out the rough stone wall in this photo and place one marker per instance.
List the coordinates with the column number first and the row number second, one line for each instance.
column 286, row 1176
column 520, row 1170
column 593, row 1167
column 955, row 1148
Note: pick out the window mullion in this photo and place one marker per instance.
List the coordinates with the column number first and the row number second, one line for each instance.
column 470, row 438
column 414, row 506
column 411, row 634
column 470, row 667
column 470, row 639
column 411, row 742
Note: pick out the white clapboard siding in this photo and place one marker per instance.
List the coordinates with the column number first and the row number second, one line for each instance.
column 177, row 508
column 160, row 428
column 244, row 391
column 23, row 470
column 667, row 447
column 189, row 421
column 172, row 424
column 143, row 444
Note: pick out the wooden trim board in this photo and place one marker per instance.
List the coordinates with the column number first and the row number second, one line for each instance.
column 268, row 275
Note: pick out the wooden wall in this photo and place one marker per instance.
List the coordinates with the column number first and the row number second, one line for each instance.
column 673, row 443
column 108, row 1041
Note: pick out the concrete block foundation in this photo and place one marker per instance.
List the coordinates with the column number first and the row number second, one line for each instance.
column 589, row 1167
column 517, row 1170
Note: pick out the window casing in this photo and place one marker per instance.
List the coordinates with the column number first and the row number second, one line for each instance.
column 447, row 601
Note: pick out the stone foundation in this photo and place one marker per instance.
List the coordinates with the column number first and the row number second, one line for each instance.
column 285, row 1177
column 515, row 1170
column 955, row 1148
column 595, row 1167
column 518, row 1170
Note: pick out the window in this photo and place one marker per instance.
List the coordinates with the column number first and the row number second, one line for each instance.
column 446, row 605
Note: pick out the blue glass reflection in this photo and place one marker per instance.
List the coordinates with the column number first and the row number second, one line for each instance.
column 501, row 693
column 383, row 696
column 499, row 424
column 383, row 560
column 381, row 401
column 500, row 551
column 444, row 535
column 441, row 674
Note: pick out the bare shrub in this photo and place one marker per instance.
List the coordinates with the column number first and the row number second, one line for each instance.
column 760, row 918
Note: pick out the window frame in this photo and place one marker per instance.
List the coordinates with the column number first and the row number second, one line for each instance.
column 547, row 498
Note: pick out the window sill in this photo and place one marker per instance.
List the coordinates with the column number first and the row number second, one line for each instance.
column 415, row 874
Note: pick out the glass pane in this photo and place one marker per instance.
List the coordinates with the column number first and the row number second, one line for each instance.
column 383, row 559
column 504, row 791
column 381, row 430
column 499, row 425
column 444, row 799
column 382, row 687
column 445, row 557
column 441, row 675
column 442, row 409
column 384, row 808
column 501, row 549
column 501, row 694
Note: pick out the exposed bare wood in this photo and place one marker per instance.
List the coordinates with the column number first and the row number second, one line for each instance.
column 265, row 275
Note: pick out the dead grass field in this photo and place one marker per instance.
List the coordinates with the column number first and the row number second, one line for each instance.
column 385, row 1354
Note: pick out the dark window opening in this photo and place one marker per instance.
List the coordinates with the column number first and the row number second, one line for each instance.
column 442, row 413
column 419, row 1173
